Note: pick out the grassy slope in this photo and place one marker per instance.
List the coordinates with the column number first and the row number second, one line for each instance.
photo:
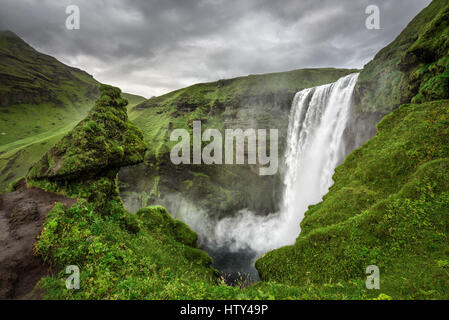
column 255, row 101
column 37, row 92
column 389, row 205
column 41, row 99
column 148, row 255
column 122, row 256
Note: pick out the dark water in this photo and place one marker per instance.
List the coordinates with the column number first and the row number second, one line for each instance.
column 236, row 268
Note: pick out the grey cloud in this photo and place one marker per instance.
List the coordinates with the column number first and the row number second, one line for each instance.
column 152, row 47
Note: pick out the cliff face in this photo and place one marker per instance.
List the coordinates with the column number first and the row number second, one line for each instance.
column 390, row 202
column 256, row 101
column 414, row 67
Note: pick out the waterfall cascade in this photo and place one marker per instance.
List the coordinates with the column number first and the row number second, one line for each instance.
column 318, row 118
column 315, row 147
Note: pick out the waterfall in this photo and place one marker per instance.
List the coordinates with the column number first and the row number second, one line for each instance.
column 318, row 118
column 315, row 147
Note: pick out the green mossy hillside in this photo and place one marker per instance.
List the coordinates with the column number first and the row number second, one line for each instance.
column 389, row 207
column 414, row 66
column 37, row 92
column 426, row 62
column 149, row 255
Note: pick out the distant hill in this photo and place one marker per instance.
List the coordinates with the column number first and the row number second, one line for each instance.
column 40, row 100
column 37, row 92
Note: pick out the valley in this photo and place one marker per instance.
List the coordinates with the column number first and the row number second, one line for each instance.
column 137, row 195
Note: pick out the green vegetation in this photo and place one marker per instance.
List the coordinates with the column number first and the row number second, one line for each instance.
column 104, row 139
column 17, row 157
column 122, row 256
column 148, row 255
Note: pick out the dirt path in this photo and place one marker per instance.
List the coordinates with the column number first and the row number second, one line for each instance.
column 22, row 214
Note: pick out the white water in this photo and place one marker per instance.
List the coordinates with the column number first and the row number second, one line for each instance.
column 315, row 147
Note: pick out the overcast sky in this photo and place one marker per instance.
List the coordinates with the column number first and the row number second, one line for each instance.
column 153, row 47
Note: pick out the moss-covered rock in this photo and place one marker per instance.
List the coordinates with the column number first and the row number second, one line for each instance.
column 85, row 163
column 157, row 217
column 122, row 255
column 104, row 140
column 435, row 88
